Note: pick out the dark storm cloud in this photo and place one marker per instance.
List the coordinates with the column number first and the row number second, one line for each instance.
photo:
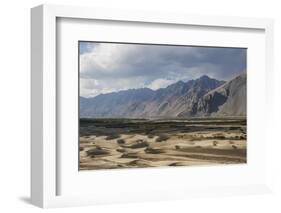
column 142, row 65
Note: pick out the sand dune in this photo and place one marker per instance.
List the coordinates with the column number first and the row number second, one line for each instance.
column 133, row 149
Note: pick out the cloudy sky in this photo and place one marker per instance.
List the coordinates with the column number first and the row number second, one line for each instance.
column 110, row 67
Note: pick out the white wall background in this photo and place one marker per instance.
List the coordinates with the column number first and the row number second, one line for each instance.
column 15, row 99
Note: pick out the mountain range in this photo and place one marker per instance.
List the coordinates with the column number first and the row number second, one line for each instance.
column 201, row 97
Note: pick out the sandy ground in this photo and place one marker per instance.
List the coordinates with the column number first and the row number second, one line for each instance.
column 175, row 149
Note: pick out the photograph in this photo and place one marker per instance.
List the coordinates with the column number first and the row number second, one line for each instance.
column 161, row 105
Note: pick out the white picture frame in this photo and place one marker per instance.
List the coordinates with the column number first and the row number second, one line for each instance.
column 45, row 168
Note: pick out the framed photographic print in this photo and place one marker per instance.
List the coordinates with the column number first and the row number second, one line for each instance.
column 149, row 106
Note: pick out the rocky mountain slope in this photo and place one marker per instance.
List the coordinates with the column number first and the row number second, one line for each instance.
column 228, row 99
column 201, row 97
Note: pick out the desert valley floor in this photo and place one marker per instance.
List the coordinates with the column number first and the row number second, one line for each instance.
column 140, row 143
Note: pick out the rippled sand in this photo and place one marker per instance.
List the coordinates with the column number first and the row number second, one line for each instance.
column 105, row 146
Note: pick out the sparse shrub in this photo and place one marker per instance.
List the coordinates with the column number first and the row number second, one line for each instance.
column 139, row 144
column 234, row 147
column 81, row 149
column 150, row 136
column 121, row 150
column 95, row 151
column 98, row 147
column 177, row 146
column 219, row 136
column 129, row 155
column 162, row 138
column 242, row 137
column 197, row 138
column 194, row 139
column 112, row 137
column 153, row 151
column 199, row 147
column 133, row 163
column 243, row 130
column 174, row 164
column 215, row 143
column 120, row 141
